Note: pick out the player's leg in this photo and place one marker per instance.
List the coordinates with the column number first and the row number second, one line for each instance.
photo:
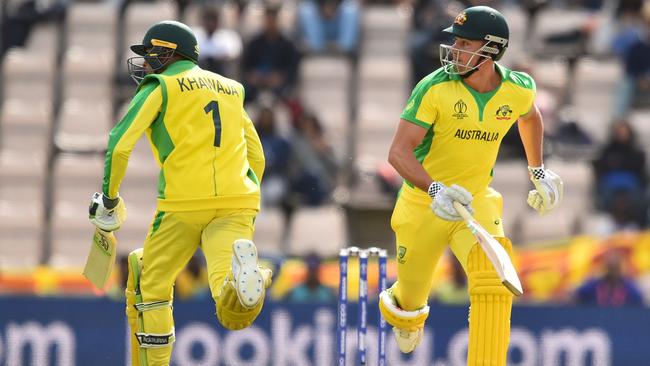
column 237, row 283
column 421, row 240
column 170, row 243
column 490, row 301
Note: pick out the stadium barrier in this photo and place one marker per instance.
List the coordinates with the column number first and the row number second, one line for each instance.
column 79, row 331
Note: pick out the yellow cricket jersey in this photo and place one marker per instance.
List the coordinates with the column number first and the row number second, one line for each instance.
column 209, row 153
column 464, row 127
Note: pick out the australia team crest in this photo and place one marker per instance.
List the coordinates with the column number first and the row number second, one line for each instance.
column 503, row 113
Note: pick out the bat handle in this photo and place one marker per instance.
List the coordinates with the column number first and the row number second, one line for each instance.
column 462, row 211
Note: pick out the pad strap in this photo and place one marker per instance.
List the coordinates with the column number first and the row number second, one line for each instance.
column 146, row 306
column 399, row 318
column 152, row 340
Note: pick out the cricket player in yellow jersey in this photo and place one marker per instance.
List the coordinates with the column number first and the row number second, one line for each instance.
column 211, row 162
column 445, row 147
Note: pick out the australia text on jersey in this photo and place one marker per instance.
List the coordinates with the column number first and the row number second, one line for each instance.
column 476, row 135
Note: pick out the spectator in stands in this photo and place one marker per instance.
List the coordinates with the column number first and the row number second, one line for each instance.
column 277, row 152
column 314, row 164
column 429, row 18
column 334, row 22
column 620, row 175
column 625, row 214
column 270, row 60
column 313, row 169
column 612, row 26
column 312, row 289
column 628, row 25
column 532, row 8
column 612, row 288
column 636, row 61
column 21, row 17
column 220, row 47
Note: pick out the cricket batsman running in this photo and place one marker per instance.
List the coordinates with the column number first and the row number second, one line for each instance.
column 211, row 162
column 445, row 147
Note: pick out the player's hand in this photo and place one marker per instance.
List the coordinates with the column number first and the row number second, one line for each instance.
column 443, row 198
column 548, row 189
column 105, row 213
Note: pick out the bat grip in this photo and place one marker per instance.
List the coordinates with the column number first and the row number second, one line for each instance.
column 462, row 211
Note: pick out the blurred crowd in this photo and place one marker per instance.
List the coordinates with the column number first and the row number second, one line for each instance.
column 302, row 169
column 610, row 273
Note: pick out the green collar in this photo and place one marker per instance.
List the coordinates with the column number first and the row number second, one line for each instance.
column 173, row 69
column 178, row 67
column 483, row 98
column 503, row 71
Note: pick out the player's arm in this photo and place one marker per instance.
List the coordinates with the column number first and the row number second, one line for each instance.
column 531, row 130
column 548, row 185
column 255, row 153
column 401, row 157
column 143, row 110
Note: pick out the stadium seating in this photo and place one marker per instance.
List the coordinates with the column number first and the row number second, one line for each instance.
column 86, row 117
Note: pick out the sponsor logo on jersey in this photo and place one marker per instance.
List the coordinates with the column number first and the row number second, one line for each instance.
column 460, row 108
column 477, row 135
column 503, row 113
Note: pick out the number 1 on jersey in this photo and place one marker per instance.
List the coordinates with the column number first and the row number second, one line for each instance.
column 213, row 107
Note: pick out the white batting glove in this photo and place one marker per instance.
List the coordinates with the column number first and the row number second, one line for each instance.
column 105, row 213
column 548, row 189
column 443, row 198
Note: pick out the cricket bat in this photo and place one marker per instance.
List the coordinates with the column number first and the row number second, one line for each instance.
column 101, row 258
column 494, row 251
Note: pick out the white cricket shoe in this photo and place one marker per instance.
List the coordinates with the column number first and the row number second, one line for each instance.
column 249, row 280
column 407, row 340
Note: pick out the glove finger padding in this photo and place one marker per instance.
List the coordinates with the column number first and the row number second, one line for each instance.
column 534, row 200
column 442, row 204
column 459, row 194
column 445, row 213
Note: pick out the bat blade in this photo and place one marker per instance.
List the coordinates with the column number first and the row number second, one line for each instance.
column 499, row 258
column 101, row 258
column 494, row 251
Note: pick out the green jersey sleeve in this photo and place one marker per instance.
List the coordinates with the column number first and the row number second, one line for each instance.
column 420, row 108
column 142, row 111
column 527, row 83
